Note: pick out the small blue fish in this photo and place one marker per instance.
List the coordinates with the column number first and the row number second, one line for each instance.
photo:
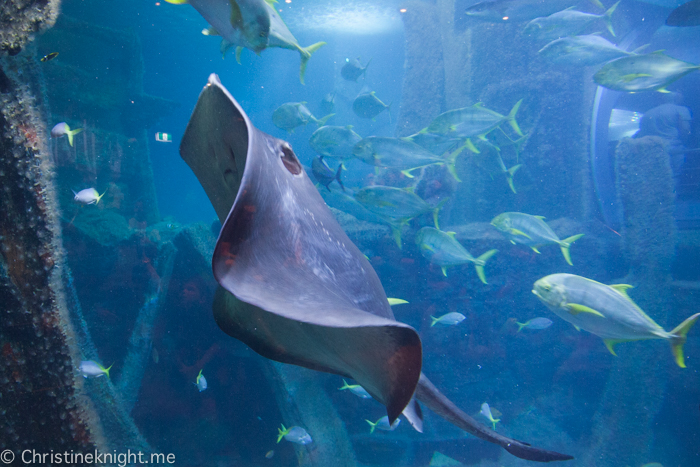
column 450, row 319
column 88, row 196
column 486, row 412
column 201, row 381
column 324, row 174
column 294, row 434
column 92, row 369
column 356, row 389
column 536, row 323
column 383, row 424
column 62, row 129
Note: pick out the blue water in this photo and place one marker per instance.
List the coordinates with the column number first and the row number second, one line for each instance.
column 548, row 384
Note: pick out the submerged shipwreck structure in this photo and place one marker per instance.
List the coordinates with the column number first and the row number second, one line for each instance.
column 143, row 300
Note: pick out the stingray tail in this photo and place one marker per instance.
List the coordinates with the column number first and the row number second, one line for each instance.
column 679, row 337
column 305, row 56
column 565, row 244
column 428, row 394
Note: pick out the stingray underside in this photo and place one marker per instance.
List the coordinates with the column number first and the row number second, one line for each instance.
column 299, row 291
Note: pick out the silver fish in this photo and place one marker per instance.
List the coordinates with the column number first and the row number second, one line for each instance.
column 335, row 141
column 586, row 50
column 532, row 231
column 648, row 72
column 517, row 11
column 294, row 114
column 566, row 23
column 607, row 311
column 368, row 105
column 443, row 249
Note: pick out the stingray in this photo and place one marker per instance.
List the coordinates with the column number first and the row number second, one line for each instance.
column 293, row 286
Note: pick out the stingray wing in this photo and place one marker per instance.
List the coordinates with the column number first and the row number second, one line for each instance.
column 302, row 292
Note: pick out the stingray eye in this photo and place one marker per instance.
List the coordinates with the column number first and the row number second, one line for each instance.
column 290, row 161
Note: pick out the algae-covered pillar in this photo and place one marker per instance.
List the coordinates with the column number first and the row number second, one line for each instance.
column 623, row 424
column 45, row 404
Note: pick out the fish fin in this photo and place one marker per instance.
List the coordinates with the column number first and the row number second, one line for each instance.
column 469, row 145
column 513, row 231
column 622, row 289
column 575, row 308
column 345, row 385
column 106, row 370
column 565, row 244
column 407, row 172
column 450, row 160
column 513, row 242
column 451, row 234
column 396, row 233
column 396, row 301
column 373, row 425
column 521, row 325
column 444, row 270
column 607, row 16
column 511, row 118
column 281, row 433
column 663, row 90
column 177, row 2
column 534, row 248
column 437, row 210
column 639, row 49
column 99, row 197
column 598, row 4
column 539, row 217
column 611, row 343
column 322, row 121
column 481, row 262
column 679, row 336
column 337, row 177
column 632, row 76
column 236, row 18
column 239, row 50
column 577, row 328
column 433, row 321
column 510, row 184
column 305, row 56
column 72, row 133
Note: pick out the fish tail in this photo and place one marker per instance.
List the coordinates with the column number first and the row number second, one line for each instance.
column 281, row 432
column 565, row 244
column 511, row 172
column 520, row 325
column 679, row 337
column 345, row 385
column 439, row 206
column 450, row 162
column 598, row 4
column 433, row 321
column 337, row 176
column 481, row 262
column 396, row 233
column 494, row 421
column 607, row 16
column 305, row 56
column 99, row 197
column 322, row 121
column 107, row 369
column 72, row 133
column 373, row 425
column 511, row 117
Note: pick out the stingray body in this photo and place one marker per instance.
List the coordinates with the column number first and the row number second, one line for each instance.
column 293, row 286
